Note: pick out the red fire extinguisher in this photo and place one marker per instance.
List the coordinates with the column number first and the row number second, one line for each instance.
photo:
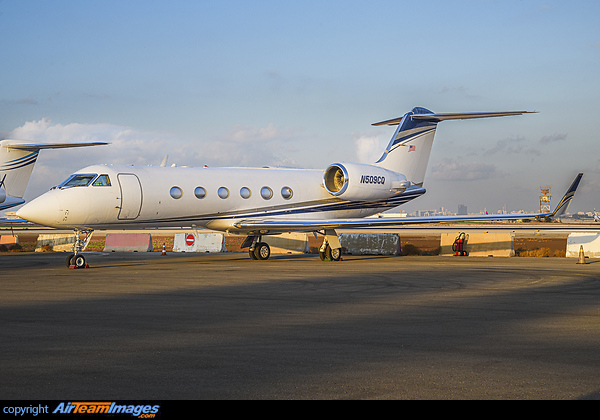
column 459, row 245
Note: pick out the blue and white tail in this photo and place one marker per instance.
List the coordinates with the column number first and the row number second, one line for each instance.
column 409, row 149
column 17, row 159
column 16, row 166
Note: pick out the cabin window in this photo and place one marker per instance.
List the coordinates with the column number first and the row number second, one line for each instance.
column 200, row 192
column 223, row 192
column 245, row 192
column 102, row 181
column 286, row 192
column 266, row 193
column 78, row 180
column 176, row 192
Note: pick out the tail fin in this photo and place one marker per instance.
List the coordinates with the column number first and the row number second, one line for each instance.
column 562, row 206
column 15, row 168
column 17, row 159
column 409, row 149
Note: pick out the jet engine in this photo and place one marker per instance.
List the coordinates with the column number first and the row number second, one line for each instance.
column 359, row 182
column 2, row 195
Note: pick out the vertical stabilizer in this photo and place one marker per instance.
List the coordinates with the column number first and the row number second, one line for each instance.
column 15, row 168
column 409, row 149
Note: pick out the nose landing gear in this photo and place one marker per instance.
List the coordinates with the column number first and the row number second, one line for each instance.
column 76, row 259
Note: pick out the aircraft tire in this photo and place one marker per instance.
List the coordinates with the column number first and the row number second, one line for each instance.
column 69, row 259
column 78, row 261
column 330, row 254
column 334, row 254
column 252, row 255
column 262, row 251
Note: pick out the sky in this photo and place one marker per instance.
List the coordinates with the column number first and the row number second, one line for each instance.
column 299, row 83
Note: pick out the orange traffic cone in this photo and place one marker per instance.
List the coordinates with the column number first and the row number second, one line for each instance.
column 581, row 256
column 164, row 252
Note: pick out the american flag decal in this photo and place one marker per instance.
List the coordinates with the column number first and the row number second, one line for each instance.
column 412, row 148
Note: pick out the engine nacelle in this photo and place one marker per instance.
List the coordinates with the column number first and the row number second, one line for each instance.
column 2, row 195
column 359, row 182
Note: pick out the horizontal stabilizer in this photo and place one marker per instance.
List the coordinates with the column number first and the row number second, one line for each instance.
column 453, row 116
column 38, row 146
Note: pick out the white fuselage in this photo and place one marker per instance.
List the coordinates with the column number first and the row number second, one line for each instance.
column 206, row 197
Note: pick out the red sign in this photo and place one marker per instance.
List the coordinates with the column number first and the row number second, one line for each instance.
column 189, row 239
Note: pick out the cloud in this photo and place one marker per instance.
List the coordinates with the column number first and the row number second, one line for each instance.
column 368, row 149
column 514, row 145
column 127, row 146
column 22, row 101
column 553, row 138
column 245, row 134
column 239, row 146
column 452, row 170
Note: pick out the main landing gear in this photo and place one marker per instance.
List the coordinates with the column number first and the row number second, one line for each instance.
column 261, row 251
column 256, row 249
column 329, row 253
column 76, row 259
column 330, row 250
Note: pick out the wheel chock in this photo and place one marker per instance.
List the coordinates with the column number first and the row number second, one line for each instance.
column 74, row 267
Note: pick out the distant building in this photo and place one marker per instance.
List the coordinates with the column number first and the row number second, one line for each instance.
column 462, row 209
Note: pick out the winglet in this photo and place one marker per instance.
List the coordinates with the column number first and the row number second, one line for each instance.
column 562, row 206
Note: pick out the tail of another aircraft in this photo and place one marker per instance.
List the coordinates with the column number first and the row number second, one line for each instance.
column 409, row 149
column 16, row 166
column 17, row 159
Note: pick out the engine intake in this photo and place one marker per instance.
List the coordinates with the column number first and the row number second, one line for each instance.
column 359, row 182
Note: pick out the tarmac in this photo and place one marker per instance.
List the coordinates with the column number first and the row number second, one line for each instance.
column 142, row 326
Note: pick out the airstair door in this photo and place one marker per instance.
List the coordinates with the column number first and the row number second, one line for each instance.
column 131, row 196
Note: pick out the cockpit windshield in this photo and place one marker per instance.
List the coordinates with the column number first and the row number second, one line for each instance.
column 102, row 181
column 77, row 180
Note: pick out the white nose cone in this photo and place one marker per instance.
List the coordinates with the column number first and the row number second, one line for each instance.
column 44, row 210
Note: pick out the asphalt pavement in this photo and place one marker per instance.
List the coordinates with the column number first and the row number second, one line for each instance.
column 221, row 326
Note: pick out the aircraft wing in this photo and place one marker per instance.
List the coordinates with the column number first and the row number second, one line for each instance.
column 282, row 225
column 13, row 221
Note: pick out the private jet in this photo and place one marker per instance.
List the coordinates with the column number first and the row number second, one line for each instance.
column 257, row 202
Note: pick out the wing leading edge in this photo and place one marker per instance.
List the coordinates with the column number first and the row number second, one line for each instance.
column 275, row 225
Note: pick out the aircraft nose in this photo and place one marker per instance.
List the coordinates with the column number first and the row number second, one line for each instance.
column 43, row 210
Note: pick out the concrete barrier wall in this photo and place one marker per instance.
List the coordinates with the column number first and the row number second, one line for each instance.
column 287, row 243
column 481, row 244
column 370, row 243
column 9, row 240
column 128, row 242
column 59, row 242
column 589, row 241
column 199, row 242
